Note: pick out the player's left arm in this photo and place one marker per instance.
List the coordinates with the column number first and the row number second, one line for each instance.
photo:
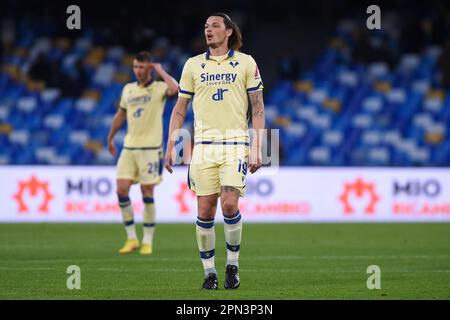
column 172, row 84
column 258, row 124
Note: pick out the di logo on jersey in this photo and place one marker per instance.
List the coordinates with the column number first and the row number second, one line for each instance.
column 138, row 113
column 234, row 63
column 218, row 96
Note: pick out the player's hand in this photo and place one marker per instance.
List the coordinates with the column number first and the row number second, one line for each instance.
column 168, row 162
column 112, row 148
column 255, row 160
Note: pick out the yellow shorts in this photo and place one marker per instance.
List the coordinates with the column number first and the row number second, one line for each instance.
column 141, row 165
column 215, row 165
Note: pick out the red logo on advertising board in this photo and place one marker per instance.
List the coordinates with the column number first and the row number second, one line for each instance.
column 33, row 186
column 181, row 198
column 359, row 188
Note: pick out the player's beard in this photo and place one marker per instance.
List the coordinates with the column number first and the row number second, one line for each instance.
column 143, row 78
column 215, row 45
column 212, row 45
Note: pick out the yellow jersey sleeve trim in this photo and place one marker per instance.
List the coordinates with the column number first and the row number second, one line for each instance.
column 259, row 87
column 186, row 86
column 185, row 94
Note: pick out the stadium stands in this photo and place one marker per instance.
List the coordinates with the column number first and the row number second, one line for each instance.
column 58, row 97
column 42, row 124
column 364, row 114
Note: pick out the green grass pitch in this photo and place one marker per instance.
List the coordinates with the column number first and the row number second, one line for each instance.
column 278, row 261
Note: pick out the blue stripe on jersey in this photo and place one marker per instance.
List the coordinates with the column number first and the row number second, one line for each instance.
column 188, row 178
column 208, row 53
column 223, row 142
column 185, row 92
column 143, row 148
column 255, row 88
column 161, row 166
column 148, row 83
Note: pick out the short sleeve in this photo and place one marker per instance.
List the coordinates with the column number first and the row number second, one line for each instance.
column 123, row 99
column 186, row 87
column 253, row 77
column 163, row 87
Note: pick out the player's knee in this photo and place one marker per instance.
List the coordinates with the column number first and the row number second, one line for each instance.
column 229, row 206
column 147, row 190
column 123, row 188
column 122, row 191
column 207, row 206
column 208, row 212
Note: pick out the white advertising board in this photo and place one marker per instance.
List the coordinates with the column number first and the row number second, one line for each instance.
column 87, row 194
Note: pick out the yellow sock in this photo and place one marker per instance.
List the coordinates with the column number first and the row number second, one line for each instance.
column 149, row 220
column 128, row 216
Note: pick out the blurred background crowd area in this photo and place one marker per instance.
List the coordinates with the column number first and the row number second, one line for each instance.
column 339, row 93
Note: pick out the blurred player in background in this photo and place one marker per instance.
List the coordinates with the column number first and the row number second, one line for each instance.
column 141, row 104
column 220, row 82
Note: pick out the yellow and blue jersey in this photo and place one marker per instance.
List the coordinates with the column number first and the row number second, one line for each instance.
column 144, row 106
column 219, row 87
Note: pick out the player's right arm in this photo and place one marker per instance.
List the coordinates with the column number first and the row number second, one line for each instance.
column 117, row 123
column 176, row 121
column 185, row 93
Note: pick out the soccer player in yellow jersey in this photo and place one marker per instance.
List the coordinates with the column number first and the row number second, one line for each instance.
column 141, row 105
column 220, row 82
